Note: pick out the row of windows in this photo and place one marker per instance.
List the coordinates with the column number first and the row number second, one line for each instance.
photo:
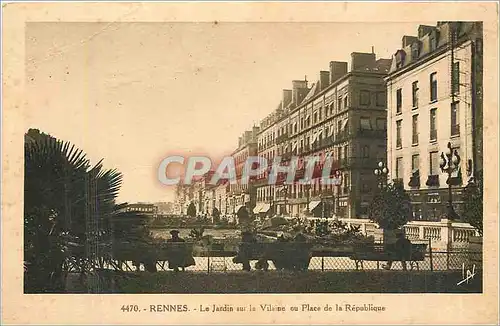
column 433, row 87
column 434, row 168
column 454, row 125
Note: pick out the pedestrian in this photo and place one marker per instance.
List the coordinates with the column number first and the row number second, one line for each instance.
column 400, row 251
column 179, row 257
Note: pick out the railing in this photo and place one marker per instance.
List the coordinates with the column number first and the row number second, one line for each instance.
column 444, row 234
column 432, row 233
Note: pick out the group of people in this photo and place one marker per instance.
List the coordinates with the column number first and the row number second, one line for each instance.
column 180, row 257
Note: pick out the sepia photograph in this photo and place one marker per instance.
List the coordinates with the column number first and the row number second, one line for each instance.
column 228, row 157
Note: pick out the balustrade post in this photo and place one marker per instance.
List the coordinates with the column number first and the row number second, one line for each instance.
column 430, row 255
column 446, row 233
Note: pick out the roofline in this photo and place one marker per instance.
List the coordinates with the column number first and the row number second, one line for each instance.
column 445, row 48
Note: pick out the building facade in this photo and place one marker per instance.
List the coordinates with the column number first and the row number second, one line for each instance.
column 242, row 194
column 342, row 116
column 434, row 99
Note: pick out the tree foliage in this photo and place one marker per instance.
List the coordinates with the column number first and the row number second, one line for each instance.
column 191, row 210
column 391, row 207
column 69, row 210
column 473, row 203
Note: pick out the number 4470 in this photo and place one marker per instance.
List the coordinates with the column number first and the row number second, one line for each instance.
column 130, row 308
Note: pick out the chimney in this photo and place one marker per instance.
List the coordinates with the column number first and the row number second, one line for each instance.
column 324, row 79
column 360, row 61
column 424, row 30
column 298, row 87
column 287, row 97
column 408, row 40
column 337, row 70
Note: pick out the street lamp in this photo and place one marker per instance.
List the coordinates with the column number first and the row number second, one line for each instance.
column 449, row 163
column 284, row 191
column 381, row 172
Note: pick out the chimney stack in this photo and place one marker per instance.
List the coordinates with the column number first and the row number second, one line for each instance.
column 337, row 70
column 298, row 87
column 324, row 79
column 361, row 61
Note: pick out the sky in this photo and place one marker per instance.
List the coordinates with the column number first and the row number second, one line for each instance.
column 133, row 93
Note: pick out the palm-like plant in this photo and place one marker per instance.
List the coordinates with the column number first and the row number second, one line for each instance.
column 70, row 213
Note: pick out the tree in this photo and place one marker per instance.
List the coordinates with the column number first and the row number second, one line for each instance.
column 391, row 207
column 69, row 210
column 191, row 210
column 473, row 203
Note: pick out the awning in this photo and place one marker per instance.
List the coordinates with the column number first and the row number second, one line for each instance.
column 344, row 124
column 313, row 204
column 257, row 208
column 265, row 208
column 313, row 138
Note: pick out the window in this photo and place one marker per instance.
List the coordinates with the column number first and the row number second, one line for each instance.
column 455, row 78
column 398, row 134
column 364, row 98
column 433, row 86
column 315, row 117
column 381, row 124
column 399, row 100
column 434, row 163
column 345, row 102
column 366, row 151
column 320, row 113
column 339, row 126
column 417, row 211
column 345, row 152
column 365, row 124
column 433, row 40
column 414, row 129
column 339, row 104
column 415, row 162
column 433, row 131
column 380, row 99
column 326, row 111
column 399, row 168
column 414, row 91
column 455, row 119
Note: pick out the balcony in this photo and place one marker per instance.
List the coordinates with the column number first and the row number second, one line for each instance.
column 365, row 133
column 432, row 181
column 281, row 138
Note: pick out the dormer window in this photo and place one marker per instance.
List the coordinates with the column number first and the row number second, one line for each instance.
column 400, row 58
column 415, row 50
column 433, row 37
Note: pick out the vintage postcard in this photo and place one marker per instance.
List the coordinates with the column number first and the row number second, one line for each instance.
column 250, row 163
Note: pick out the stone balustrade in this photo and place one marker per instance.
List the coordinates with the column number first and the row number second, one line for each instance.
column 444, row 234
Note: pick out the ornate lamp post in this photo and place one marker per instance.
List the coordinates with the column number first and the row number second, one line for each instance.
column 381, row 172
column 284, row 191
column 449, row 163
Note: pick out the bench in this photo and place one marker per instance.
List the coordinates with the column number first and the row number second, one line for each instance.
column 284, row 255
column 152, row 253
column 378, row 252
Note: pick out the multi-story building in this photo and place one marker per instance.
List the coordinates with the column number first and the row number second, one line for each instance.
column 434, row 98
column 342, row 115
column 242, row 194
column 221, row 198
